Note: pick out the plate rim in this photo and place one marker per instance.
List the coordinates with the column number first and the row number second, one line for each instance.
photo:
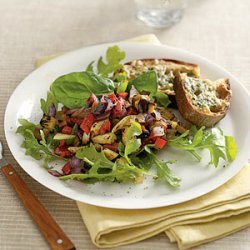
column 115, row 205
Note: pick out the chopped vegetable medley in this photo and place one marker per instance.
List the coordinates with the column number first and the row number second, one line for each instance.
column 107, row 129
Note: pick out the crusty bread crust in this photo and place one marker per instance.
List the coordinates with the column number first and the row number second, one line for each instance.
column 173, row 65
column 192, row 113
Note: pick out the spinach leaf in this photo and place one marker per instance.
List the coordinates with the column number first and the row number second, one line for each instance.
column 73, row 89
column 145, row 82
column 148, row 82
column 45, row 104
column 219, row 146
column 161, row 99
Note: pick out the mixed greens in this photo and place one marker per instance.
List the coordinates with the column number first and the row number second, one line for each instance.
column 106, row 128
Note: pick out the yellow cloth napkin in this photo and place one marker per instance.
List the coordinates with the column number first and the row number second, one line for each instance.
column 210, row 217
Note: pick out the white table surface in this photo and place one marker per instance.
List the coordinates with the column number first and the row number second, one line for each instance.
column 216, row 29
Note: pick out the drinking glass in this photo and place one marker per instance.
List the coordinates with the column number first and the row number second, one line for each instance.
column 160, row 13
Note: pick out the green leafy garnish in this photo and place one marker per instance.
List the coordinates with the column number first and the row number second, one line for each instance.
column 145, row 82
column 231, row 148
column 45, row 104
column 90, row 67
column 74, row 89
column 103, row 169
column 148, row 82
column 219, row 146
column 25, row 124
column 93, row 156
column 114, row 56
column 161, row 99
column 122, row 82
column 37, row 150
column 164, row 172
column 132, row 143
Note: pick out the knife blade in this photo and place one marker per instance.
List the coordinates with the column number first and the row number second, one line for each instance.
column 55, row 236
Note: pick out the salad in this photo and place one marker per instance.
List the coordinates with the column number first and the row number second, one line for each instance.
column 106, row 128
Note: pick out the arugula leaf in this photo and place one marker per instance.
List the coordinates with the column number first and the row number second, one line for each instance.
column 74, row 89
column 90, row 67
column 164, row 172
column 45, row 105
column 121, row 172
column 148, row 82
column 219, row 146
column 125, row 172
column 114, row 55
column 25, row 124
column 132, row 143
column 231, row 148
column 122, row 82
column 37, row 150
column 94, row 158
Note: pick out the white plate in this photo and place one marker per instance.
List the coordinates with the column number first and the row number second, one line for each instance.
column 197, row 177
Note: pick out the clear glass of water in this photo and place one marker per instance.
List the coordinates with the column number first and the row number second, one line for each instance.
column 160, row 13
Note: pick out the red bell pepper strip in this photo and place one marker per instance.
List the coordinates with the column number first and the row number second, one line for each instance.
column 76, row 120
column 119, row 110
column 105, row 127
column 62, row 143
column 67, row 130
column 123, row 95
column 160, row 143
column 87, row 123
column 68, row 121
column 63, row 152
column 67, row 168
column 112, row 97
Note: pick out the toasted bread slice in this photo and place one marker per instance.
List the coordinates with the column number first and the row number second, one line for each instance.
column 202, row 102
column 164, row 69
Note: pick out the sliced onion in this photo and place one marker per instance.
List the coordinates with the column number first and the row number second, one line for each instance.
column 79, row 134
column 76, row 165
column 102, row 116
column 75, row 162
column 149, row 119
column 81, row 113
column 110, row 105
column 76, row 170
column 101, row 107
column 52, row 110
column 158, row 131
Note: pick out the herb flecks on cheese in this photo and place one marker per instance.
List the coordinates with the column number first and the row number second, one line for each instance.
column 164, row 75
column 163, row 68
column 204, row 95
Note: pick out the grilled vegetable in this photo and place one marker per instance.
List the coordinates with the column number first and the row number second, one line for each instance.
column 104, row 139
column 48, row 122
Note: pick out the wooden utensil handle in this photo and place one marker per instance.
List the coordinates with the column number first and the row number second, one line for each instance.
column 55, row 236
